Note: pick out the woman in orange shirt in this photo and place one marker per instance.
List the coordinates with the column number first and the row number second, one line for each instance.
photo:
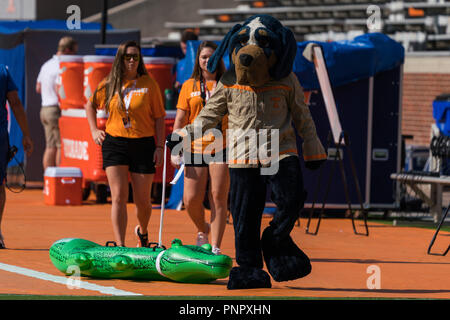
column 132, row 143
column 202, row 162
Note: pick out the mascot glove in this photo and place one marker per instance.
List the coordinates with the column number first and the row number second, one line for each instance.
column 308, row 52
column 173, row 139
column 314, row 165
column 177, row 160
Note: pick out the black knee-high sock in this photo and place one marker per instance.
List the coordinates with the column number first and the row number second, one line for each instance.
column 284, row 259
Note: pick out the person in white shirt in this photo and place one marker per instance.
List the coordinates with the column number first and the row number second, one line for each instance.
column 50, row 111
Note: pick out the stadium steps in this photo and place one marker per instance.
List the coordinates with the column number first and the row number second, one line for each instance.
column 419, row 25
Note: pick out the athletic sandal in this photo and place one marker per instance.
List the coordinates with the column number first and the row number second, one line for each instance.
column 202, row 237
column 216, row 250
column 143, row 238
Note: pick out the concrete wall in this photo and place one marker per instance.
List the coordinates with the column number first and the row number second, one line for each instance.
column 17, row 9
column 150, row 15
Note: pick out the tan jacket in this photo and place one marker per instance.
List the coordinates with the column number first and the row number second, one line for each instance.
column 275, row 105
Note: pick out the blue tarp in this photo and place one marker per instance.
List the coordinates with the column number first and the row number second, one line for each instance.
column 350, row 60
column 347, row 61
column 16, row 26
column 441, row 114
column 14, row 58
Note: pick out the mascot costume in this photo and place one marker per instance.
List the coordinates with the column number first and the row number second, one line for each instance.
column 262, row 98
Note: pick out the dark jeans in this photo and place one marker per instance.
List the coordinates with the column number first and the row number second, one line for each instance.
column 247, row 200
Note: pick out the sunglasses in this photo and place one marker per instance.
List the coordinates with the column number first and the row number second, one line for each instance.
column 128, row 57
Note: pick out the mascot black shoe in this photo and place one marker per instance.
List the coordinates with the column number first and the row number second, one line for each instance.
column 263, row 98
column 284, row 260
column 248, row 278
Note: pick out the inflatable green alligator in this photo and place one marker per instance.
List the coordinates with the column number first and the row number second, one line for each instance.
column 181, row 263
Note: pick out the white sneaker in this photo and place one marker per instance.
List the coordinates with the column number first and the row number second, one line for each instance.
column 216, row 250
column 202, row 237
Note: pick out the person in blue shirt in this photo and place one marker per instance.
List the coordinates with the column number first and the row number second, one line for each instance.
column 181, row 75
column 8, row 92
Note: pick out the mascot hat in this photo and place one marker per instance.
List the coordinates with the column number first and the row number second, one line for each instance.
column 265, row 41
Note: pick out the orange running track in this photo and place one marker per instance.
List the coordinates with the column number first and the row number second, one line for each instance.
column 341, row 260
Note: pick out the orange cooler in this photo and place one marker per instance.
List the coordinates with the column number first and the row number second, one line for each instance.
column 161, row 69
column 70, row 82
column 78, row 149
column 62, row 186
column 96, row 68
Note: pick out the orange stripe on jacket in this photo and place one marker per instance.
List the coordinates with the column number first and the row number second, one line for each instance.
column 257, row 90
column 315, row 157
column 288, row 151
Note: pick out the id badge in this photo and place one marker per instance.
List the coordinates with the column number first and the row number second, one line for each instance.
column 126, row 122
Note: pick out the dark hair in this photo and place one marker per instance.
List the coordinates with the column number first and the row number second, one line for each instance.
column 188, row 34
column 114, row 80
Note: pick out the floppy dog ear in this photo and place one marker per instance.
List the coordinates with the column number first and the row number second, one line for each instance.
column 214, row 60
column 286, row 56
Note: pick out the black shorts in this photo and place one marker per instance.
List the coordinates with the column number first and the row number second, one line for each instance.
column 200, row 160
column 136, row 153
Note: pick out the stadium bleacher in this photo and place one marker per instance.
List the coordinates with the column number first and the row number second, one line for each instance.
column 419, row 25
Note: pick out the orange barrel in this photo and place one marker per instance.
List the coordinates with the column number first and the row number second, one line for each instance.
column 161, row 69
column 70, row 82
column 96, row 68
column 78, row 149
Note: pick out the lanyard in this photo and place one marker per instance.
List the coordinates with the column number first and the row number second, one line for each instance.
column 127, row 97
column 203, row 91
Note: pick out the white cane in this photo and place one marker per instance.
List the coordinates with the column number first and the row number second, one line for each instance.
column 163, row 200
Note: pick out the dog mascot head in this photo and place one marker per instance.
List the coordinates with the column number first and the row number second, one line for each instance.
column 261, row 49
